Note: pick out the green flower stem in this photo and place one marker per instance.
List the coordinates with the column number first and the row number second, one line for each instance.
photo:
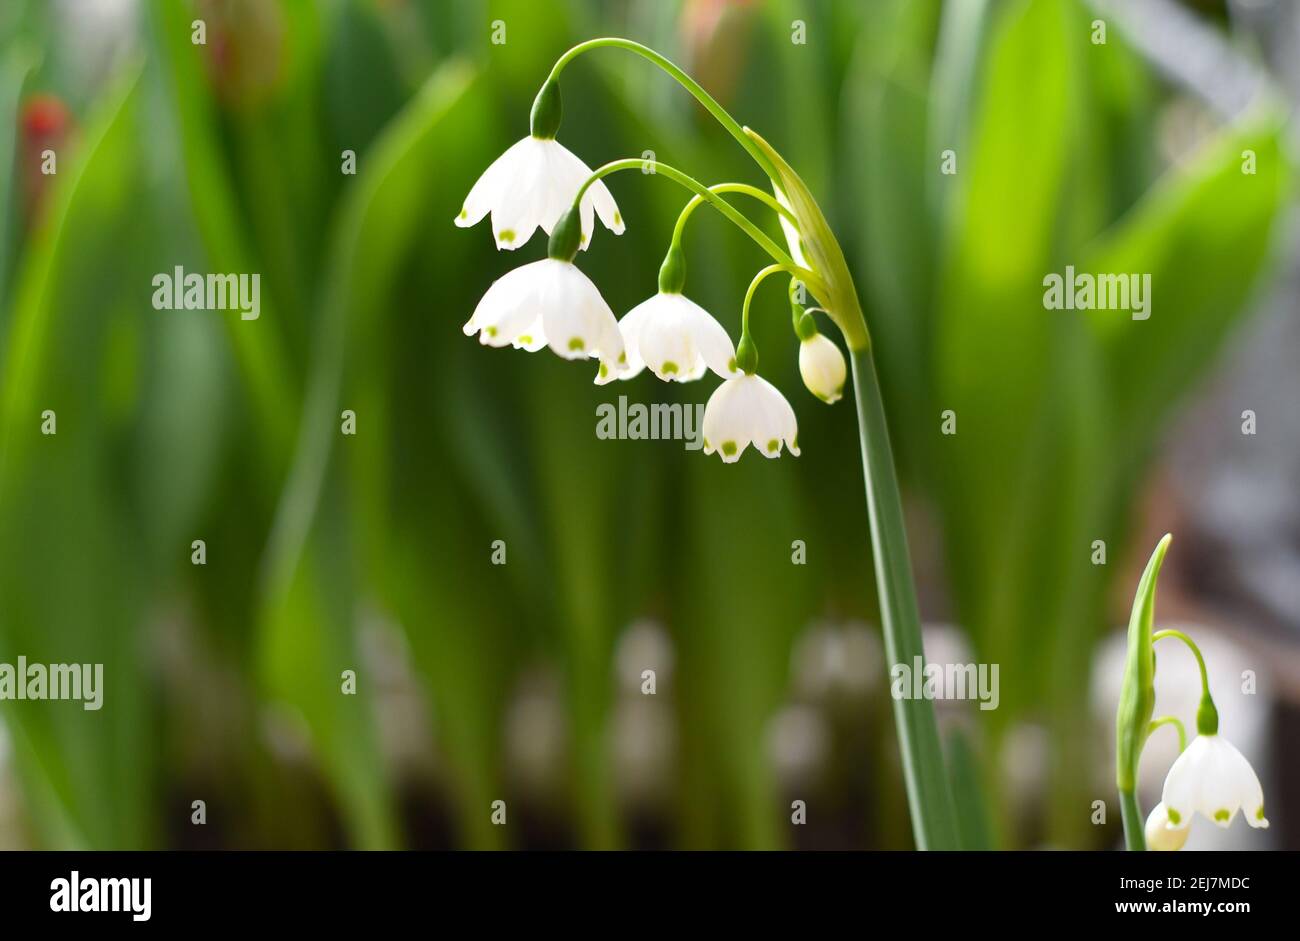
column 929, row 792
column 753, row 286
column 703, row 97
column 1207, row 716
column 695, row 186
column 1174, row 721
column 1134, row 837
column 720, row 188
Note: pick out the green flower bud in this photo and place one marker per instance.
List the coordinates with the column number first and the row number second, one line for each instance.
column 747, row 354
column 566, row 237
column 547, row 110
column 672, row 273
column 805, row 325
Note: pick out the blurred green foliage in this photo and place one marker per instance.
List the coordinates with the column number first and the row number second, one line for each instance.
column 175, row 426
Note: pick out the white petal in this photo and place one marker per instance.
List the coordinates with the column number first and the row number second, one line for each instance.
column 1182, row 784
column 576, row 317
column 532, row 185
column 1244, row 784
column 775, row 422
column 822, row 367
column 1160, row 836
column 630, row 326
column 1214, row 778
column 606, row 208
column 509, row 307
column 749, row 410
column 490, row 186
column 711, row 340
column 666, row 344
column 725, row 426
column 524, row 198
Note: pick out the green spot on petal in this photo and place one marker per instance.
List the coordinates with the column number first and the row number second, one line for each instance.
column 1174, row 816
column 604, row 370
column 490, row 331
column 507, row 235
column 1259, row 814
column 728, row 448
column 463, row 214
column 618, row 218
column 576, row 343
column 525, row 338
column 731, row 364
column 773, row 445
column 1222, row 815
column 668, row 368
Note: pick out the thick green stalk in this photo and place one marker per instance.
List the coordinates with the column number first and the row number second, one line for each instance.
column 929, row 793
column 1134, row 838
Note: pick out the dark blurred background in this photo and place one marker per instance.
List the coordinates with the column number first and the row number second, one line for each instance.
column 523, row 682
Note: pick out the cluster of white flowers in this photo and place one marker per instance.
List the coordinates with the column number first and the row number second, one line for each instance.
column 552, row 303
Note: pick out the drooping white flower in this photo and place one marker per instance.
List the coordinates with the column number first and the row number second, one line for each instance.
column 551, row 303
column 531, row 185
column 1212, row 777
column 822, row 366
column 677, row 339
column 749, row 410
column 1161, row 836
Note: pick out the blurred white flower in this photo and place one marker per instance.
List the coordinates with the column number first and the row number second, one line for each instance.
column 551, row 302
column 822, row 366
column 1160, row 836
column 798, row 744
column 531, row 185
column 1212, row 777
column 749, row 410
column 677, row 339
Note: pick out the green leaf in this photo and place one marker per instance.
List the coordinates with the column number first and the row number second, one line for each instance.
column 822, row 250
column 1137, row 696
column 72, row 565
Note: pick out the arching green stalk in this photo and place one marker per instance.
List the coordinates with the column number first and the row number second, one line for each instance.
column 1177, row 723
column 703, row 97
column 730, row 212
column 753, row 286
column 1207, row 716
column 718, row 189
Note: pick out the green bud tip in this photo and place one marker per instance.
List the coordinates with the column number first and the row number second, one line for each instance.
column 547, row 110
column 672, row 273
column 566, row 237
column 747, row 354
column 805, row 326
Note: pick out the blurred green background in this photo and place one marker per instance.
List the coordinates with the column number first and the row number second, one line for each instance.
column 373, row 553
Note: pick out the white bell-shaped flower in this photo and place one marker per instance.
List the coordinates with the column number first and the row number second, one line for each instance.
column 1212, row 777
column 551, row 303
column 822, row 366
column 1160, row 836
column 531, row 185
column 677, row 339
column 749, row 410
